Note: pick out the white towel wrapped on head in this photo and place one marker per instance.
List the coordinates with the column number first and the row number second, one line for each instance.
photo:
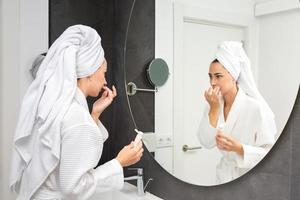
column 233, row 57
column 76, row 53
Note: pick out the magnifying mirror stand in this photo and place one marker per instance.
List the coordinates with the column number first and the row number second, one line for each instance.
column 132, row 89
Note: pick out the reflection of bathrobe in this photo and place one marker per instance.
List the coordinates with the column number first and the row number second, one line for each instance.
column 244, row 123
column 81, row 148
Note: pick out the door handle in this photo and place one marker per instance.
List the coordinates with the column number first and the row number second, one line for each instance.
column 186, row 148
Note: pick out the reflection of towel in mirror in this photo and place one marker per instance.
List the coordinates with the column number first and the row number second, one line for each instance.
column 250, row 120
column 245, row 123
column 76, row 53
column 233, row 57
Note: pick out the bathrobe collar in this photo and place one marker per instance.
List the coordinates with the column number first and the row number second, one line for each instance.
column 234, row 111
column 81, row 99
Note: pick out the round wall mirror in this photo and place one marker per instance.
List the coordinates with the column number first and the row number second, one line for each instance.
column 187, row 36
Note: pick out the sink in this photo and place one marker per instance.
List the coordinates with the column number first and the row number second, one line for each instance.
column 129, row 192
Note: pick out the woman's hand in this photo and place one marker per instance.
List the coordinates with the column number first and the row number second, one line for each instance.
column 103, row 102
column 227, row 143
column 130, row 155
column 212, row 96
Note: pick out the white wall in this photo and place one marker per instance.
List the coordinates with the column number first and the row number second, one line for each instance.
column 244, row 7
column 279, row 61
column 9, row 84
column 24, row 34
column 163, row 98
column 1, row 121
column 275, row 6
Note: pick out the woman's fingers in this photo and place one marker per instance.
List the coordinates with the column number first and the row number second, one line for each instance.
column 215, row 90
column 219, row 94
column 221, row 146
column 206, row 95
column 111, row 93
column 105, row 93
column 114, row 91
column 108, row 90
column 129, row 146
column 130, row 155
column 227, row 138
column 138, row 151
column 210, row 91
column 211, row 96
column 224, row 142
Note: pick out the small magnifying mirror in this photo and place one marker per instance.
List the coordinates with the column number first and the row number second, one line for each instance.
column 158, row 72
column 157, row 75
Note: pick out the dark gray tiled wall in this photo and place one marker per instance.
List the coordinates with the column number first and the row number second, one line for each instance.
column 294, row 150
column 277, row 177
column 99, row 15
column 139, row 54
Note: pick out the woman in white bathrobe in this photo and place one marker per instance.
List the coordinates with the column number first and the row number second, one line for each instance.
column 236, row 120
column 58, row 143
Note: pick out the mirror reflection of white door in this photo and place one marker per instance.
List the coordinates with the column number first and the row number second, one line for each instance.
column 195, row 42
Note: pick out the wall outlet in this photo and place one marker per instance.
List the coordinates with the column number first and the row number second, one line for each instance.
column 149, row 139
column 164, row 140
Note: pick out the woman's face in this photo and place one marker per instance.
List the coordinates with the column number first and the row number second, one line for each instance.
column 97, row 80
column 220, row 77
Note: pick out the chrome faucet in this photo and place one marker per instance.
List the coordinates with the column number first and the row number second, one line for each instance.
column 139, row 180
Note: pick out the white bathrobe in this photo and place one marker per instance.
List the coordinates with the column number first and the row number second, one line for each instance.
column 81, row 149
column 246, row 124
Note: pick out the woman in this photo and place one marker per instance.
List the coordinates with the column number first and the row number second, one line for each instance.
column 58, row 142
column 237, row 120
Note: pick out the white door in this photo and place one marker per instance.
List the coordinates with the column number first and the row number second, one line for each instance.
column 198, row 42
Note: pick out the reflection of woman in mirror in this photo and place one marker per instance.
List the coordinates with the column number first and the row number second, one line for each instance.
column 237, row 119
column 58, row 143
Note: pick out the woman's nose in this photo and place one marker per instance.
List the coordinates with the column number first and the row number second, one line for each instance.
column 213, row 82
